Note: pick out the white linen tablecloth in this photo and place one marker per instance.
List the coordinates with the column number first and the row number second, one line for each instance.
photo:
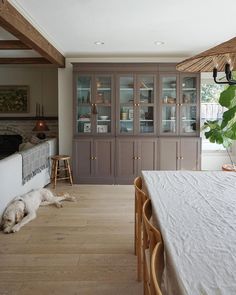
column 196, row 214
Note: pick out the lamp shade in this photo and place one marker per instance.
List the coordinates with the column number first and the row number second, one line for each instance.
column 215, row 57
column 40, row 126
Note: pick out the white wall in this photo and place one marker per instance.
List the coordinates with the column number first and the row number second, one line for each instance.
column 43, row 84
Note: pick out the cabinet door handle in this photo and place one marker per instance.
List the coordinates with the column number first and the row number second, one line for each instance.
column 139, row 158
column 181, row 158
column 137, row 104
column 91, row 158
column 95, row 158
column 135, row 158
column 177, row 158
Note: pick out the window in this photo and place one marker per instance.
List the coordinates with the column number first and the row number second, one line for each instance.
column 210, row 110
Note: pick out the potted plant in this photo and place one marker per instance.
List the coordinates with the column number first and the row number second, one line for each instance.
column 224, row 131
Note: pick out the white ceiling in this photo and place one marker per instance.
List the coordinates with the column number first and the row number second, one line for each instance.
column 130, row 27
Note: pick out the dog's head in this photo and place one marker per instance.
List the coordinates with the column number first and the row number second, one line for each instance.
column 12, row 215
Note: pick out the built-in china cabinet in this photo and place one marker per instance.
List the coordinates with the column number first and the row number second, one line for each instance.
column 133, row 117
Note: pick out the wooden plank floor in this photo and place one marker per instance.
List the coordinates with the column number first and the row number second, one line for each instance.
column 83, row 248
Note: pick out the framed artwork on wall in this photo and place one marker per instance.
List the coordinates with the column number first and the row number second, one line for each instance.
column 14, row 99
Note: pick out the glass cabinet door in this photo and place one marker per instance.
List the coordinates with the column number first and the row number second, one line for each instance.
column 169, row 104
column 146, row 104
column 103, row 104
column 84, row 91
column 188, row 112
column 126, row 105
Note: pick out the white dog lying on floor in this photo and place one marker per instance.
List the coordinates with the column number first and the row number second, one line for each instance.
column 23, row 209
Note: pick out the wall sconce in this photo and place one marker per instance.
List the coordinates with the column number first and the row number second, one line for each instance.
column 228, row 76
column 40, row 125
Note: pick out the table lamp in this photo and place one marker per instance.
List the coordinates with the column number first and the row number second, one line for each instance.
column 41, row 127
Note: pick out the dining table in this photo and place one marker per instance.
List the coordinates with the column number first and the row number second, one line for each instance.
column 195, row 212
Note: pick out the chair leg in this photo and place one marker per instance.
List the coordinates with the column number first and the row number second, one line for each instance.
column 69, row 171
column 52, row 171
column 135, row 226
column 55, row 174
column 139, row 241
column 66, row 169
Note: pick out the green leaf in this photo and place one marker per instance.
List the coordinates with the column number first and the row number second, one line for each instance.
column 228, row 116
column 228, row 97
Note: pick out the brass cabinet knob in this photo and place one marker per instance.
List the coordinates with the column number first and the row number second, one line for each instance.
column 137, row 104
column 95, row 158
column 181, row 158
column 91, row 158
column 139, row 158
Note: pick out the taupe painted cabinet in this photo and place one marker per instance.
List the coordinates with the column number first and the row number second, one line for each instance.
column 133, row 117
column 180, row 153
column 94, row 160
column 134, row 155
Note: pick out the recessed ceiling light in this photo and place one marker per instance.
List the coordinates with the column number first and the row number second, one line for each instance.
column 159, row 43
column 99, row 43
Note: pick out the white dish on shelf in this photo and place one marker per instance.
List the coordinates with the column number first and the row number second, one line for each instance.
column 103, row 117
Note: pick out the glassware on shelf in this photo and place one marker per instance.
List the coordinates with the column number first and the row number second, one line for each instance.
column 103, row 90
column 168, row 119
column 169, row 92
column 127, row 90
column 146, row 122
column 188, row 119
column 126, row 119
column 146, row 89
column 84, row 90
column 189, row 90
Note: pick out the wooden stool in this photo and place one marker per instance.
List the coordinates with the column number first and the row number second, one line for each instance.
column 55, row 173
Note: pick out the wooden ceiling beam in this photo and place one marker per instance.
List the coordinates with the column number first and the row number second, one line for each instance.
column 13, row 45
column 24, row 60
column 16, row 24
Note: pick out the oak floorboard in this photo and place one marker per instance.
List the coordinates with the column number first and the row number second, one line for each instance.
column 86, row 247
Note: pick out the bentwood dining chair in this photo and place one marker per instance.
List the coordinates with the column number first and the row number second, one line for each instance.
column 157, row 266
column 140, row 198
column 151, row 237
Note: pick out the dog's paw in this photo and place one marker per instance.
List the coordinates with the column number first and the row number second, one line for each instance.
column 71, row 198
column 15, row 228
column 7, row 230
column 59, row 205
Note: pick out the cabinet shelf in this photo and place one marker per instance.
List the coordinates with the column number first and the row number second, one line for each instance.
column 103, row 120
column 126, row 120
column 146, row 89
column 83, row 88
column 189, row 89
column 169, row 89
column 79, row 120
column 146, row 120
column 103, row 89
